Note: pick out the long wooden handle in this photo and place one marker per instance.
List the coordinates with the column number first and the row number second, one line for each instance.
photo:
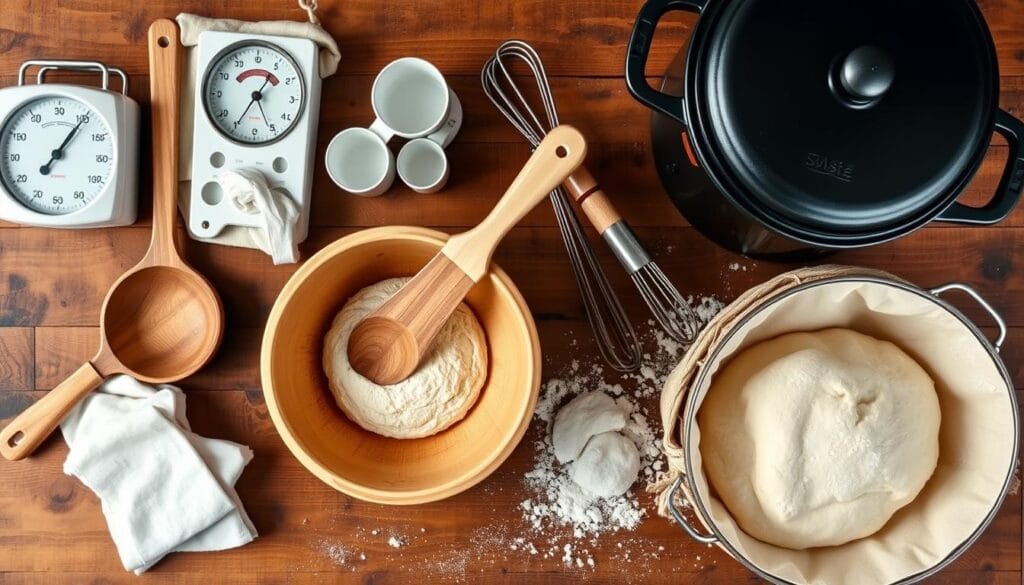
column 28, row 430
column 165, row 56
column 583, row 188
column 558, row 155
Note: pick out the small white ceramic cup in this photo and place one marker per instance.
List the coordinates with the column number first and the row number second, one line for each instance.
column 410, row 98
column 422, row 162
column 423, row 165
column 360, row 162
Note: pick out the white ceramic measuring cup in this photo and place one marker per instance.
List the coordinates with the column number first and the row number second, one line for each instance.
column 422, row 162
column 360, row 162
column 410, row 98
column 423, row 165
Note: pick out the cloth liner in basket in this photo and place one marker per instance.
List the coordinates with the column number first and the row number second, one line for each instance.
column 978, row 439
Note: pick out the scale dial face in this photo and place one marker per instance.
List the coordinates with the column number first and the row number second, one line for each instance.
column 253, row 93
column 56, row 155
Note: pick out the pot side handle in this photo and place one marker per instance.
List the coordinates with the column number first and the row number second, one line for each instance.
column 1000, row 322
column 677, row 491
column 637, row 53
column 1009, row 190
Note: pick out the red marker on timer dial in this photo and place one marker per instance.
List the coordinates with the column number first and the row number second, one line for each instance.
column 254, row 93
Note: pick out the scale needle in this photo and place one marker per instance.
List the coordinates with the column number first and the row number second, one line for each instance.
column 256, row 97
column 58, row 153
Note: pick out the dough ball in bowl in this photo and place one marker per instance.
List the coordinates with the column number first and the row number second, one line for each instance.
column 817, row 439
column 437, row 395
column 365, row 464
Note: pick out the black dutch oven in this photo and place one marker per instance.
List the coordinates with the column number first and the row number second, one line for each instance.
column 796, row 126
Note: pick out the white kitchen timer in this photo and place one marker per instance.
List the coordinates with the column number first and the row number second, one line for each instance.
column 257, row 104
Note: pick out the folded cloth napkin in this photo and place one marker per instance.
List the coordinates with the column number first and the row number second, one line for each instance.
column 249, row 190
column 191, row 26
column 162, row 488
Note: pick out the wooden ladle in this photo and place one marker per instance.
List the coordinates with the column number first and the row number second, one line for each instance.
column 388, row 344
column 161, row 321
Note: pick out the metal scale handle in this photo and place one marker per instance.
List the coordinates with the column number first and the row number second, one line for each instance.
column 47, row 65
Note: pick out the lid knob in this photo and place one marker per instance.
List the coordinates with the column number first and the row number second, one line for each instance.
column 867, row 74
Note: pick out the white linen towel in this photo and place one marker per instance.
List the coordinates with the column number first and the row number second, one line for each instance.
column 248, row 189
column 162, row 488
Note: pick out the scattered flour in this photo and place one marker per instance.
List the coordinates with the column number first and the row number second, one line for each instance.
column 735, row 274
column 560, row 522
column 336, row 552
column 556, row 504
column 707, row 308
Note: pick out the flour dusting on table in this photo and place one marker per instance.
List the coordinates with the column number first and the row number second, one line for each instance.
column 556, row 505
column 558, row 523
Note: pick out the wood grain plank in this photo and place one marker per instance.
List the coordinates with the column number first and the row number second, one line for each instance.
column 83, row 264
column 60, row 350
column 601, row 108
column 620, row 157
column 371, row 34
column 16, row 357
column 51, row 528
column 499, row 576
column 624, row 171
column 304, row 524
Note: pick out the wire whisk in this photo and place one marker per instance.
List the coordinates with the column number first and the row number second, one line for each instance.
column 612, row 328
column 672, row 312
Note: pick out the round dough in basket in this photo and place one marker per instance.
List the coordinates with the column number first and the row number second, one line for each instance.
column 437, row 395
column 817, row 439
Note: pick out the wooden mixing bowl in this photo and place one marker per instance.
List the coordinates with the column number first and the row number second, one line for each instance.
column 363, row 464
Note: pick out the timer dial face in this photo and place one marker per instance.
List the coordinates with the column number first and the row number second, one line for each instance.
column 56, row 155
column 253, row 93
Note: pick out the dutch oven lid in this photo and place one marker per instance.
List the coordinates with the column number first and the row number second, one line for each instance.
column 850, row 115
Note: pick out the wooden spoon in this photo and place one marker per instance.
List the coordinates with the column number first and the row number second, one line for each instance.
column 388, row 344
column 161, row 321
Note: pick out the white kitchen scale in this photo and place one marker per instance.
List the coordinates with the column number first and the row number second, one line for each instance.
column 68, row 153
column 257, row 104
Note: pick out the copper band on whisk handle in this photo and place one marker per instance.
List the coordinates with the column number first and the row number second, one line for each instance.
column 613, row 331
column 667, row 305
column 583, row 188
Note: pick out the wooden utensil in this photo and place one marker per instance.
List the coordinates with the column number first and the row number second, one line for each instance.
column 388, row 344
column 366, row 465
column 161, row 321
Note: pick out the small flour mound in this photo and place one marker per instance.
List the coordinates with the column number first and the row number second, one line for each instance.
column 556, row 500
column 559, row 501
column 608, row 466
column 587, row 415
column 560, row 523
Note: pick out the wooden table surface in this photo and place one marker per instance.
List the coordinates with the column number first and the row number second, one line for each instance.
column 52, row 283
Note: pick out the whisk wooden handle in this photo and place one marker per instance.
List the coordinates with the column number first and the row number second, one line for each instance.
column 583, row 188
